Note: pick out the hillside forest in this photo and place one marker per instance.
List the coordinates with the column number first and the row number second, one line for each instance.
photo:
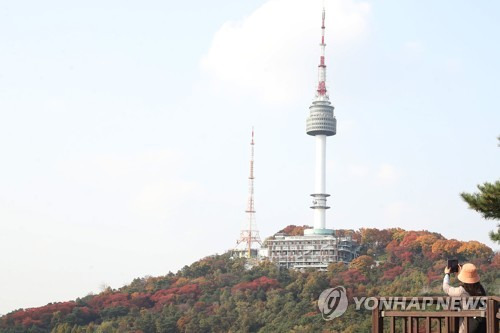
column 222, row 294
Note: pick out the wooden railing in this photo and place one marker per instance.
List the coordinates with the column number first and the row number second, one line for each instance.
column 386, row 317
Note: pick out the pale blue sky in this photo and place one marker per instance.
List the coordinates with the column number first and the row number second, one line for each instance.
column 124, row 128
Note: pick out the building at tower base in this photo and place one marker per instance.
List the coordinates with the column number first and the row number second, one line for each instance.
column 310, row 251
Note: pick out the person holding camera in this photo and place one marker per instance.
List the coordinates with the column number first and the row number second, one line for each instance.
column 470, row 286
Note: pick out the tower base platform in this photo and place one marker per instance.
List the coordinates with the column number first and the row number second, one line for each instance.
column 317, row 232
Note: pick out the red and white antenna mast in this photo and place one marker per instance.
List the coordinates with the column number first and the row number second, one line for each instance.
column 321, row 91
column 249, row 235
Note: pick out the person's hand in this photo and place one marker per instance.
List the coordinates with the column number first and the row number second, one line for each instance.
column 459, row 268
column 447, row 270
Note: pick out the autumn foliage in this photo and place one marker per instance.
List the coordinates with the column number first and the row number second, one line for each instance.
column 263, row 283
column 294, row 230
column 219, row 293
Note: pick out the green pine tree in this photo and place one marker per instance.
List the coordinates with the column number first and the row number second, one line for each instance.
column 486, row 202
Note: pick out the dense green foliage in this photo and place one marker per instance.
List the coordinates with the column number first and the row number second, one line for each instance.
column 220, row 294
column 486, row 202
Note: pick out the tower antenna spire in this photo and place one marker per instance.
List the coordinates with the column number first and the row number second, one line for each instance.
column 321, row 90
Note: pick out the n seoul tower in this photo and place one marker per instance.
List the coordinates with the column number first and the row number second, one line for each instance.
column 320, row 124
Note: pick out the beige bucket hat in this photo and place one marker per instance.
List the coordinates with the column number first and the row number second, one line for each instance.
column 468, row 274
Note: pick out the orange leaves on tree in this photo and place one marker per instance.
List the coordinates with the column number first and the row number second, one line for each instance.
column 445, row 247
column 362, row 263
column 294, row 230
column 474, row 249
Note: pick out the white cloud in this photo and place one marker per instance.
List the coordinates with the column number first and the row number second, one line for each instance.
column 358, row 171
column 387, row 174
column 383, row 174
column 157, row 200
column 264, row 54
column 148, row 185
column 397, row 212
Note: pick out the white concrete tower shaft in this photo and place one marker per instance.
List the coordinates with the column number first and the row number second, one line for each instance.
column 320, row 182
column 320, row 124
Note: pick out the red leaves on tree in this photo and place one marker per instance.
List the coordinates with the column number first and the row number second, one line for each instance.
column 433, row 276
column 409, row 240
column 141, row 300
column 353, row 277
column 392, row 273
column 263, row 283
column 36, row 316
column 109, row 300
column 165, row 296
column 402, row 253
